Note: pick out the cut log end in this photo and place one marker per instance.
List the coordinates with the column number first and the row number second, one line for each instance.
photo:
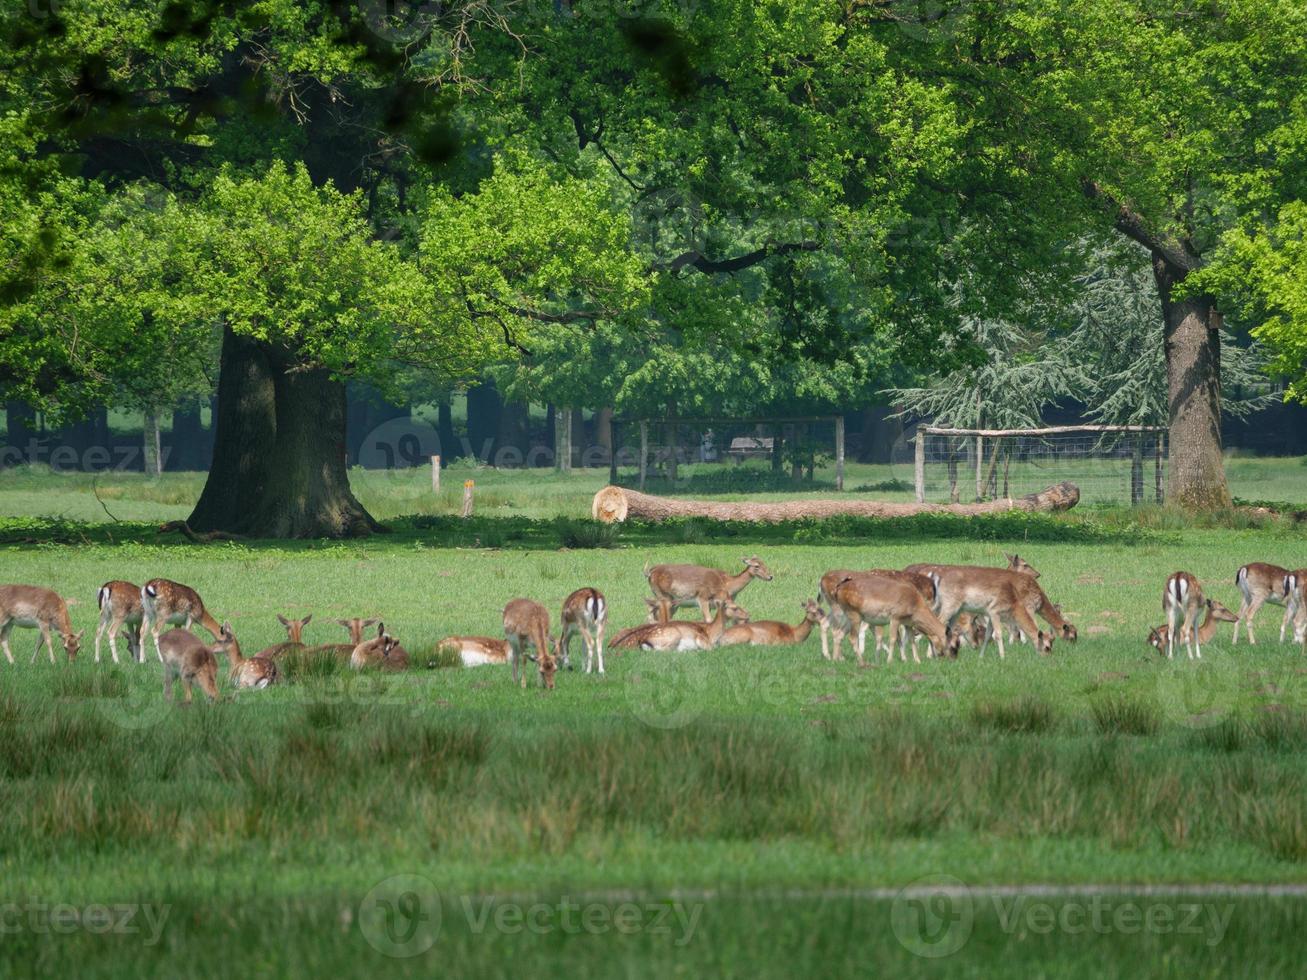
column 614, row 504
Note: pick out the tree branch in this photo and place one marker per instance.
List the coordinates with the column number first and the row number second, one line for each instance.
column 697, row 260
column 1134, row 227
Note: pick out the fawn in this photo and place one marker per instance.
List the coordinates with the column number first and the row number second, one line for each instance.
column 527, row 622
column 383, row 651
column 189, row 659
column 585, row 611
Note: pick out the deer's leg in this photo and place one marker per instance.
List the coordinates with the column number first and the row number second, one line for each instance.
column 43, row 637
column 4, row 639
column 1253, row 608
column 599, row 645
column 167, row 684
column 1288, row 615
column 1170, row 630
column 99, row 632
column 893, row 634
column 705, row 608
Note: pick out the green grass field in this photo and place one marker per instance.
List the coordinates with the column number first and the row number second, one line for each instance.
column 741, row 811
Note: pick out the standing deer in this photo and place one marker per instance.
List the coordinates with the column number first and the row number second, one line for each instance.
column 120, row 609
column 675, row 585
column 1261, row 583
column 189, row 659
column 680, row 634
column 527, row 622
column 1181, row 600
column 1159, row 636
column 252, row 672
column 383, row 651
column 770, row 633
column 35, row 607
column 585, row 611
column 168, row 603
column 1001, row 595
column 866, row 600
column 837, row 624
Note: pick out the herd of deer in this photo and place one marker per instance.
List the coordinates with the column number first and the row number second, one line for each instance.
column 949, row 605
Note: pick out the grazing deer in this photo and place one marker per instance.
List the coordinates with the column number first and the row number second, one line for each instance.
column 770, row 633
column 476, row 651
column 1261, row 583
column 923, row 583
column 526, row 622
column 1295, row 603
column 1181, row 600
column 294, row 638
column 684, row 635
column 1159, row 636
column 168, row 603
column 382, row 651
column 252, row 672
column 585, row 611
column 675, row 585
column 120, row 610
column 43, row 609
column 1001, row 595
column 866, row 600
column 189, row 659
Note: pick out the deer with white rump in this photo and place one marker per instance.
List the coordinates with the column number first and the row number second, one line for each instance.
column 585, row 611
column 679, row 585
column 168, row 603
column 1004, row 597
column 1159, row 636
column 1260, row 583
column 120, row 609
column 1181, row 600
column 43, row 609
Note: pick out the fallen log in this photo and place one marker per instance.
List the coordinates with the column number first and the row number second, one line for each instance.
column 615, row 504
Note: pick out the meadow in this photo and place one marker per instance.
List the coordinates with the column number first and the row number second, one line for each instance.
column 744, row 810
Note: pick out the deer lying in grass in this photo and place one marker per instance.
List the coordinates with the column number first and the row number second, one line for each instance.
column 675, row 585
column 189, row 659
column 120, row 610
column 1259, row 584
column 168, row 603
column 477, row 651
column 526, row 623
column 35, row 607
column 771, row 633
column 1181, row 600
column 1159, row 637
column 682, row 634
column 251, row 672
column 867, row 600
column 294, row 638
column 382, row 651
column 585, row 611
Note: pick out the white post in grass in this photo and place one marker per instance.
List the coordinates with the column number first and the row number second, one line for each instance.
column 839, row 452
column 435, row 474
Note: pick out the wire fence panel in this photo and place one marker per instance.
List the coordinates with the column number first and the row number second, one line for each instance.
column 1110, row 465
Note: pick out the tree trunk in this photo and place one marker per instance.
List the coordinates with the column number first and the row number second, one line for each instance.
column 188, row 439
column 614, row 504
column 604, row 431
column 1193, row 372
column 153, row 446
column 20, row 419
column 483, row 410
column 279, row 451
column 449, row 448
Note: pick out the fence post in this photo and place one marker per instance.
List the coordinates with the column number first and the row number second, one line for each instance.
column 435, row 474
column 980, row 459
column 644, row 452
column 839, row 452
column 467, row 498
column 1157, row 477
column 1137, row 472
column 920, row 467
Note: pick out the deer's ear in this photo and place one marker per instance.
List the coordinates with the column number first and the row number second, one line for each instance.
column 368, row 622
column 381, row 627
column 305, row 620
column 79, row 635
column 283, row 620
